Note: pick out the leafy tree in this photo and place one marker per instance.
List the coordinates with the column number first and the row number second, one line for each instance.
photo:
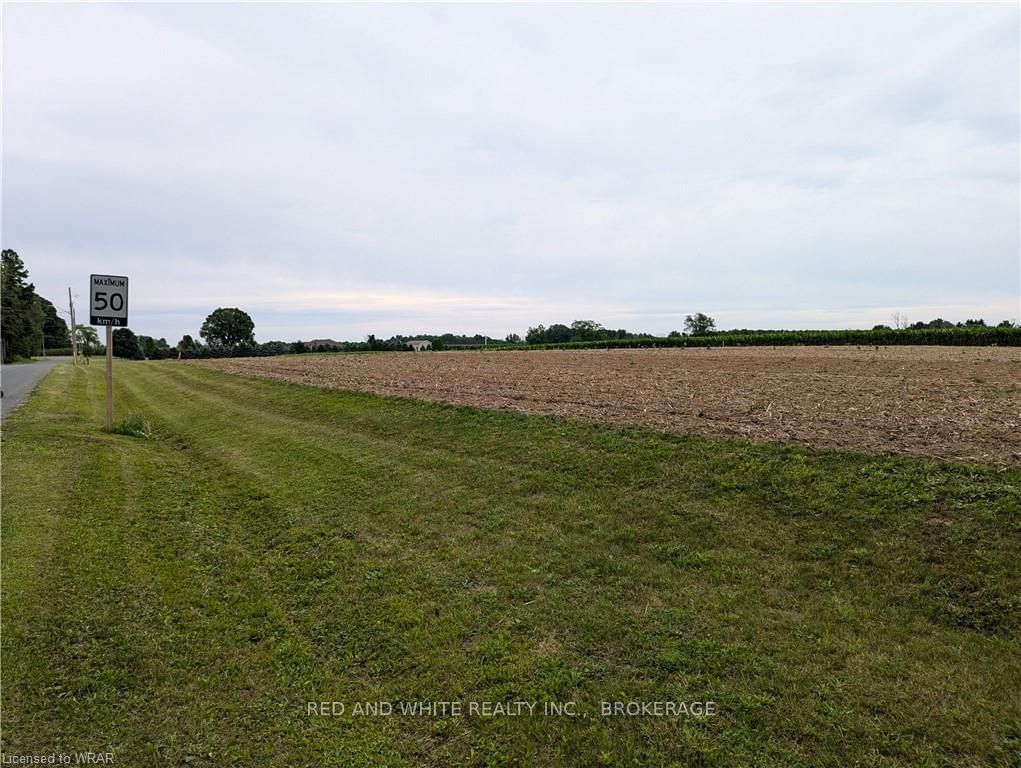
column 558, row 333
column 54, row 328
column 585, row 330
column 939, row 322
column 229, row 327
column 87, row 338
column 21, row 322
column 513, row 338
column 299, row 347
column 126, row 344
column 674, row 335
column 378, row 345
column 699, row 324
column 13, row 281
column 154, row 349
column 188, row 347
column 536, row 335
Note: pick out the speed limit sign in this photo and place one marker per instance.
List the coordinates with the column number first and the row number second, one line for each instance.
column 108, row 300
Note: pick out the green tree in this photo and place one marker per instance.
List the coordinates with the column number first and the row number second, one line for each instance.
column 21, row 321
column 87, row 338
column 699, row 324
column 126, row 344
column 558, row 333
column 154, row 349
column 586, row 330
column 188, row 347
column 229, row 327
column 54, row 328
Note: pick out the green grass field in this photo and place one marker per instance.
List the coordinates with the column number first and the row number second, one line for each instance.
column 179, row 599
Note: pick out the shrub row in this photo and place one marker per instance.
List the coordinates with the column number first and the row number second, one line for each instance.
column 976, row 336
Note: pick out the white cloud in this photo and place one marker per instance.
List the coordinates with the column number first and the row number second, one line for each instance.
column 486, row 167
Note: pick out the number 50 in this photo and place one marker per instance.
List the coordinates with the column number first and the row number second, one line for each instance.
column 115, row 302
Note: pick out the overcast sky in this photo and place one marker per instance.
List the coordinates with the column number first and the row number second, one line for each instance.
column 338, row 170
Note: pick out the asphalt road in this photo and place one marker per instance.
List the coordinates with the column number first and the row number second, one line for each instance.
column 17, row 381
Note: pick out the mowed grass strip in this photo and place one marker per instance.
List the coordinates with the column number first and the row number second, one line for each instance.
column 180, row 599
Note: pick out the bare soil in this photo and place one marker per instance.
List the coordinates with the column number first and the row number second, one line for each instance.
column 960, row 403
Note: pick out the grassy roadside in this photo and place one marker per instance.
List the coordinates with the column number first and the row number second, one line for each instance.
column 180, row 599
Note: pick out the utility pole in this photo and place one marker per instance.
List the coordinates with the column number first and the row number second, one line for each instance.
column 74, row 328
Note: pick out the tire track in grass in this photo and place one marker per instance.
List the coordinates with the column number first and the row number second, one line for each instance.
column 388, row 465
column 226, row 623
column 226, row 544
column 401, row 458
column 134, row 632
column 373, row 449
column 272, row 428
column 376, row 639
column 411, row 411
column 519, row 470
column 260, row 534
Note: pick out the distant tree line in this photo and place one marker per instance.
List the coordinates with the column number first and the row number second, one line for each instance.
column 697, row 324
column 230, row 332
column 939, row 322
column 1004, row 334
column 579, row 330
column 29, row 324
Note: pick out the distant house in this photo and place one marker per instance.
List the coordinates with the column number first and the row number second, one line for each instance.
column 419, row 345
column 318, row 343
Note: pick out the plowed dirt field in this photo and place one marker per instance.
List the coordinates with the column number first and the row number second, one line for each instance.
column 961, row 403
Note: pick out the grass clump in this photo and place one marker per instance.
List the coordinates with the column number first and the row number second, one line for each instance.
column 135, row 424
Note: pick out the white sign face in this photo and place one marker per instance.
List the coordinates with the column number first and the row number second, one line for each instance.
column 108, row 300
